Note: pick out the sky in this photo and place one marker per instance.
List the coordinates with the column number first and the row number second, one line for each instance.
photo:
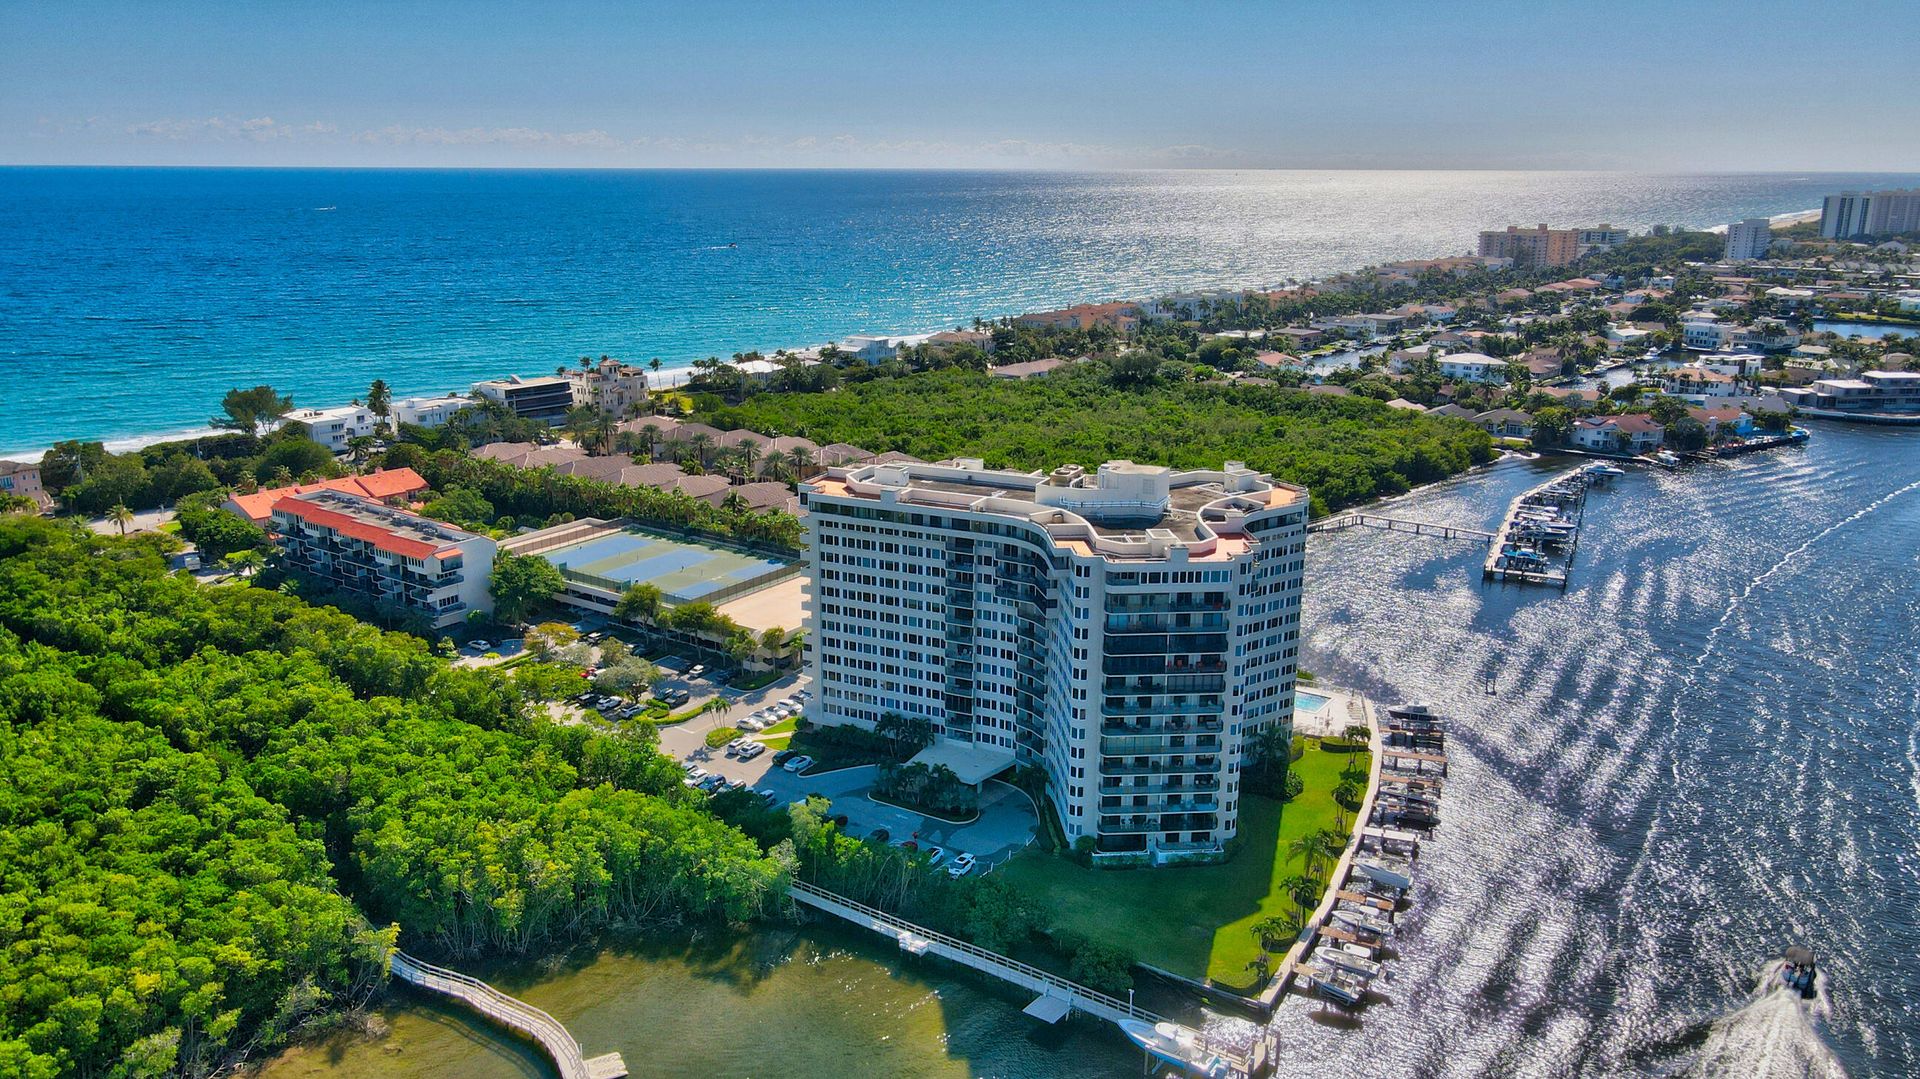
column 1671, row 86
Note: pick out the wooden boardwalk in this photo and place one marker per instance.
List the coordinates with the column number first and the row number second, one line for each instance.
column 516, row 1015
column 1344, row 521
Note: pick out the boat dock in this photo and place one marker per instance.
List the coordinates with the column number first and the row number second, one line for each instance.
column 1341, row 950
column 516, row 1015
column 1537, row 539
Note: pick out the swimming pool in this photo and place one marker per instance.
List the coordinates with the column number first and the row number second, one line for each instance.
column 1305, row 700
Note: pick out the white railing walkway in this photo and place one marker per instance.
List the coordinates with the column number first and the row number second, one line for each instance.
column 921, row 940
column 517, row 1015
column 1091, row 1001
column 1344, row 521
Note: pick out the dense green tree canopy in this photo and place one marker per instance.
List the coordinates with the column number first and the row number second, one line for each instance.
column 215, row 796
column 1344, row 449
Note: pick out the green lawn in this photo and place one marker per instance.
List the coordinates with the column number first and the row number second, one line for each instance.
column 1194, row 920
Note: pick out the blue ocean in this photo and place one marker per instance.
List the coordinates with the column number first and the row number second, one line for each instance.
column 132, row 299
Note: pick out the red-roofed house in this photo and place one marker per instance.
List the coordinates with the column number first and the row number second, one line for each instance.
column 393, row 486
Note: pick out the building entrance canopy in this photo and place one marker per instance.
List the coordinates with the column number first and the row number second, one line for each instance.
column 974, row 764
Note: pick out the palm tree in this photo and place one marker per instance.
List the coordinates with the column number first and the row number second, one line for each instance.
column 121, row 516
column 380, row 402
column 604, row 426
column 701, row 443
column 802, row 459
column 358, row 447
column 245, row 563
column 748, row 454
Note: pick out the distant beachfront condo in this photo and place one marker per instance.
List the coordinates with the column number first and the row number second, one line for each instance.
column 1749, row 239
column 1870, row 213
column 388, row 555
column 1126, row 631
column 546, row 397
column 1539, row 246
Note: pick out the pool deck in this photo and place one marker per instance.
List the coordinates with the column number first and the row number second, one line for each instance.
column 1330, row 720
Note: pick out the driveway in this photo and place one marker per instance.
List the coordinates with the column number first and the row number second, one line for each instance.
column 1006, row 823
column 143, row 521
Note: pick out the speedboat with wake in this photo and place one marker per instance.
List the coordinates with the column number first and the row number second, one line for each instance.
column 1177, row 1045
column 1797, row 972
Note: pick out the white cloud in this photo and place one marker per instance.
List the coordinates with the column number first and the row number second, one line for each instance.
column 399, row 135
column 539, row 144
column 214, row 129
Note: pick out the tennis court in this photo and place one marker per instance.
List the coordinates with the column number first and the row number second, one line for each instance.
column 683, row 571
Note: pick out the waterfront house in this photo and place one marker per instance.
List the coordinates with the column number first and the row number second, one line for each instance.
column 1302, row 337
column 1572, row 398
column 1506, row 423
column 1723, row 421
column 1635, row 433
column 22, row 479
column 1124, row 317
column 1454, row 412
column 610, row 385
column 1872, row 392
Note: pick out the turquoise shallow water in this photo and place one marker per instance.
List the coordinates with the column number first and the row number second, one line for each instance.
column 131, row 299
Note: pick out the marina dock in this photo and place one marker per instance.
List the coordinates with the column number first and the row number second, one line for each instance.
column 1541, row 531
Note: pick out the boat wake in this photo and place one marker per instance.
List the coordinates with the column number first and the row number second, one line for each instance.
column 1772, row 1037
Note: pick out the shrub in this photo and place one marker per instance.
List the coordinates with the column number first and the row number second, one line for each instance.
column 720, row 736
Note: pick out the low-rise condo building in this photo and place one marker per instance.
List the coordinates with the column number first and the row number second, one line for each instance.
column 397, row 559
column 547, row 397
column 1873, row 391
column 1127, row 631
column 429, row 411
column 333, row 427
column 22, row 480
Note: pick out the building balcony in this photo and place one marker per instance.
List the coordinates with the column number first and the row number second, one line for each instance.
column 1151, row 665
column 1131, row 605
column 1204, row 784
column 1175, row 725
column 1144, row 644
column 1197, row 766
column 1159, row 623
column 1175, row 706
column 1157, row 745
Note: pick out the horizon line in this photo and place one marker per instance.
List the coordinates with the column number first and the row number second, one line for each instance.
column 943, row 168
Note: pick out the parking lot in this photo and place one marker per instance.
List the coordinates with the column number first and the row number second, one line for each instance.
column 1006, row 823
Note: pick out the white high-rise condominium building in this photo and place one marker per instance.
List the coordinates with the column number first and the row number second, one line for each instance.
column 1749, row 239
column 1126, row 631
column 1870, row 213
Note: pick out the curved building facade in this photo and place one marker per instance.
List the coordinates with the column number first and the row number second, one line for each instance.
column 1125, row 630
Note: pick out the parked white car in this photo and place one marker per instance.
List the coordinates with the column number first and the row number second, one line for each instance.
column 962, row 865
column 799, row 764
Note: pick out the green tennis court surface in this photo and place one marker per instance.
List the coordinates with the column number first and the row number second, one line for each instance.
column 681, row 570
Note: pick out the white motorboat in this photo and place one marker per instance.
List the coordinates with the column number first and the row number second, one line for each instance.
column 1365, row 921
column 1341, row 959
column 1177, row 1045
column 1336, row 984
column 1666, row 459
